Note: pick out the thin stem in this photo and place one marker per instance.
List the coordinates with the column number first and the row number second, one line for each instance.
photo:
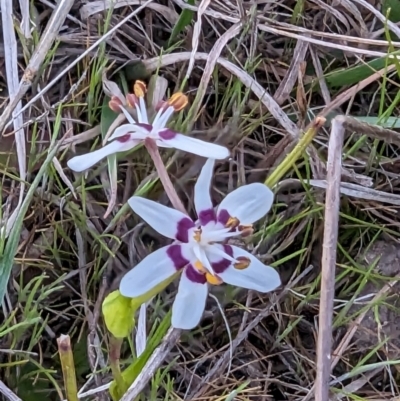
column 295, row 154
column 152, row 148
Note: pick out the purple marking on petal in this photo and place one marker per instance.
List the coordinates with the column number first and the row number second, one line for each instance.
column 223, row 216
column 123, row 138
column 195, row 276
column 205, row 216
column 167, row 134
column 184, row 226
column 175, row 254
column 147, row 127
column 223, row 264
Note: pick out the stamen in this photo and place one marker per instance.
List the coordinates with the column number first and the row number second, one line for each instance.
column 115, row 104
column 139, row 88
column 232, row 222
column 197, row 235
column 178, row 101
column 241, row 263
column 246, row 230
column 199, row 266
column 131, row 100
column 214, row 280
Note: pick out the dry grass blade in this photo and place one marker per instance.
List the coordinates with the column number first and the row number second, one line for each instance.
column 246, row 79
column 153, row 363
column 25, row 23
column 8, row 394
column 287, row 84
column 77, row 60
column 360, row 192
column 332, row 203
column 41, row 51
column 95, row 7
column 210, row 66
column 392, row 26
column 196, row 35
column 10, row 50
column 218, row 367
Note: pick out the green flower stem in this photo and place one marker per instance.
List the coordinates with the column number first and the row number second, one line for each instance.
column 68, row 367
column 295, row 154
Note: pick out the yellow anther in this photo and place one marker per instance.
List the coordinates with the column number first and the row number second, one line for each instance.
column 199, row 267
column 241, row 263
column 139, row 88
column 178, row 101
column 197, row 235
column 214, row 280
column 232, row 222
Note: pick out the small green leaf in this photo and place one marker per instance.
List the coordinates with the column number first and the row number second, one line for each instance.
column 118, row 313
column 354, row 75
column 184, row 20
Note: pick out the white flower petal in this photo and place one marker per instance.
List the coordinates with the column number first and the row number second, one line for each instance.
column 167, row 221
column 248, row 203
column 142, row 111
column 189, row 303
column 128, row 115
column 151, row 271
column 83, row 162
column 162, row 118
column 135, row 132
column 202, row 198
column 198, row 147
column 256, row 276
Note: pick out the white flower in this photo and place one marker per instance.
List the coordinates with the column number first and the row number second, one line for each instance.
column 128, row 136
column 200, row 249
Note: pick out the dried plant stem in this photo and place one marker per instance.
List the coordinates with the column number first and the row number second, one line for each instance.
column 295, row 154
column 114, row 355
column 152, row 148
column 332, row 202
column 68, row 367
column 152, row 364
column 8, row 394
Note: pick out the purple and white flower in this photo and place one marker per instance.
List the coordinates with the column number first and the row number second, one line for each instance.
column 200, row 249
column 127, row 136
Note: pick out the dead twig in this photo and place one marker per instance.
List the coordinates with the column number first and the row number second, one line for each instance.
column 331, row 228
column 152, row 364
column 8, row 393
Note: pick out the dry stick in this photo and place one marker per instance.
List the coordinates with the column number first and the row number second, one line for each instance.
column 153, row 363
column 217, row 369
column 324, row 364
column 163, row 175
column 332, row 201
column 8, row 393
column 42, row 50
